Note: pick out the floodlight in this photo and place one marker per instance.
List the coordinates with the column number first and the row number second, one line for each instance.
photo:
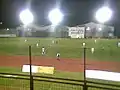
column 103, row 14
column 55, row 16
column 26, row 17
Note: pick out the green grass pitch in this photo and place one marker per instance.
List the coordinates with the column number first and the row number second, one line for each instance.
column 68, row 48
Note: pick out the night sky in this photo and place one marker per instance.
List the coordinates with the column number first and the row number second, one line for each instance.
column 76, row 11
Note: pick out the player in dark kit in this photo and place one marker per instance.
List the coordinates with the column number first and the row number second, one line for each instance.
column 56, row 42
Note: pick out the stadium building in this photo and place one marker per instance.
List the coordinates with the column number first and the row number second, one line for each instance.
column 95, row 30
column 76, row 32
column 88, row 30
column 91, row 30
column 8, row 32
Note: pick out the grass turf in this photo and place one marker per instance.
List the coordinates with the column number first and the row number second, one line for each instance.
column 69, row 48
column 60, row 74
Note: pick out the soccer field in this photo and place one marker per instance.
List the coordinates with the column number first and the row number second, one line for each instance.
column 105, row 49
column 14, row 54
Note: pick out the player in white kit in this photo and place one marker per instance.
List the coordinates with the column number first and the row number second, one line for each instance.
column 58, row 56
column 43, row 51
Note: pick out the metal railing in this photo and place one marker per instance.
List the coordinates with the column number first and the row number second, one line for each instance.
column 10, row 81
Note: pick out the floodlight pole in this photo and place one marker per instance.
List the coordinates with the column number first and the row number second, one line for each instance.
column 85, row 86
column 85, row 33
column 31, row 77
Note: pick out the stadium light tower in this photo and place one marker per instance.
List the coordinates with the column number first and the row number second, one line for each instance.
column 103, row 14
column 55, row 16
column 26, row 17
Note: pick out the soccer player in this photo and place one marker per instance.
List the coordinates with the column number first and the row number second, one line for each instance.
column 53, row 41
column 56, row 42
column 43, row 51
column 58, row 56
